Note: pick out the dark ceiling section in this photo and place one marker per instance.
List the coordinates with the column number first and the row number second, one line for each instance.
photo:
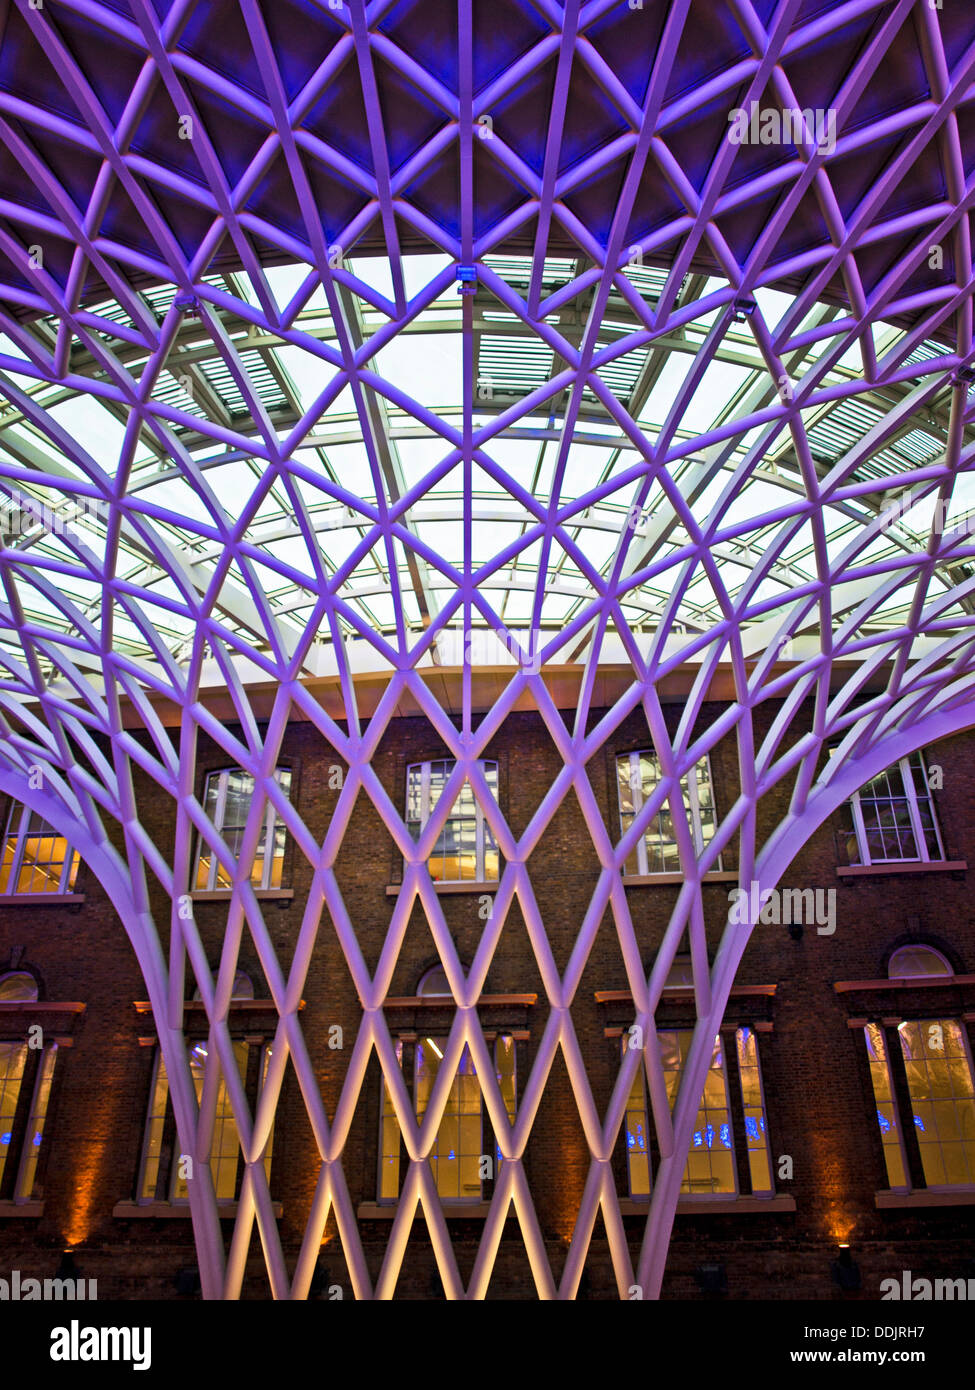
column 71, row 75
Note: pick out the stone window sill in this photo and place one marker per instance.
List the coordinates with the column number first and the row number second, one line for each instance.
column 925, row 1197
column 173, row 1211
column 453, row 1211
column 920, row 866
column 467, row 885
column 15, row 1211
column 664, row 880
column 41, row 899
column 716, row 1206
column 223, row 895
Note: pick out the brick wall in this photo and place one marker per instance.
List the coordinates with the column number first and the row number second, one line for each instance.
column 819, row 1103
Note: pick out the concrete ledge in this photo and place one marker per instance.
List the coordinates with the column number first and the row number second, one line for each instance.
column 663, row 880
column 223, row 895
column 15, row 1211
column 466, row 885
column 717, row 1206
column 173, row 1211
column 920, row 866
column 461, row 1211
column 925, row 1197
column 40, row 899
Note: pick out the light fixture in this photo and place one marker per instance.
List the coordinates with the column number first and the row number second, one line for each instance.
column 844, row 1269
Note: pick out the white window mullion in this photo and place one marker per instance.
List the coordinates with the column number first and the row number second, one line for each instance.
column 860, row 829
column 907, row 779
column 636, row 796
column 218, row 822
column 268, row 865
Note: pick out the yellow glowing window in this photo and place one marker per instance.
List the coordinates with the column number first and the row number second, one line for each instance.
column 711, row 1159
column 36, row 858
column 228, row 801
column 224, row 1146
column 886, row 1107
column 459, row 1160
column 939, row 1079
column 636, row 1130
column 456, row 1156
column 465, row 848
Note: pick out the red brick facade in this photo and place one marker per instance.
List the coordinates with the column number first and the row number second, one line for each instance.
column 819, row 1103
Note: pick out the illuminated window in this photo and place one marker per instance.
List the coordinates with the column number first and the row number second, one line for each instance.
column 635, row 1129
column 465, row 848
column 939, row 1080
column 637, row 776
column 711, row 1161
column 36, row 858
column 892, row 819
column 164, row 1171
column 753, row 1104
column 883, row 1094
column 458, row 1155
column 26, row 1077
column 938, row 1067
column 227, row 802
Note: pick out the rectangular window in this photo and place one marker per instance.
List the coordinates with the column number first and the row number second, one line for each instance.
column 753, row 1104
column 227, row 801
column 710, row 1169
column 883, row 1094
column 36, row 859
column 939, row 1079
column 13, row 1060
column 466, row 848
column 389, row 1142
column 35, row 1123
column 635, row 1128
column 225, row 1146
column 892, row 819
column 637, row 776
column 457, row 1155
column 711, row 1162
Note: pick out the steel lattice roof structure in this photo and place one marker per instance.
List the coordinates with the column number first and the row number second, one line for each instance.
column 400, row 357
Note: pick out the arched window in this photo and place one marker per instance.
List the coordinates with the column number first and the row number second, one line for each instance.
column 434, row 982
column 243, row 987
column 465, row 848
column 917, row 962
column 227, row 801
column 19, row 984
column 36, row 857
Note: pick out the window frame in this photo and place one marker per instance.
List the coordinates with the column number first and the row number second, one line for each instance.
column 689, row 788
column 930, row 1100
column 728, row 1038
column 481, row 827
column 385, row 1114
column 271, row 822
column 911, row 797
column 159, row 1111
column 69, row 869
